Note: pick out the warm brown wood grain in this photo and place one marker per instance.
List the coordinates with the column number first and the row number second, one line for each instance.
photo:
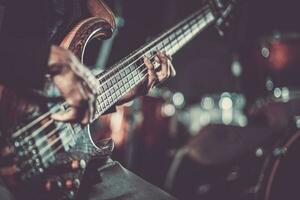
column 97, row 8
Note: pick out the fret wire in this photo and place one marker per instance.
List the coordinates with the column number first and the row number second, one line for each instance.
column 205, row 17
column 186, row 31
column 178, row 43
column 199, row 23
column 116, row 85
column 105, row 105
column 131, row 82
column 127, row 90
column 180, row 28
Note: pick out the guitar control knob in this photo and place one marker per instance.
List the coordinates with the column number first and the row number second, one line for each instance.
column 48, row 186
column 76, row 164
column 69, row 184
column 82, row 164
column 77, row 183
column 58, row 185
column 53, row 185
column 72, row 183
column 70, row 194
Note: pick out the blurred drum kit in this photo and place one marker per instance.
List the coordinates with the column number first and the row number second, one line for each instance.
column 221, row 147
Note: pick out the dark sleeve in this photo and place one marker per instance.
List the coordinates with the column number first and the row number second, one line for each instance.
column 24, row 49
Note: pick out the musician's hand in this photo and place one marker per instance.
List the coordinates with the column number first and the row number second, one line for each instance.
column 155, row 76
column 76, row 84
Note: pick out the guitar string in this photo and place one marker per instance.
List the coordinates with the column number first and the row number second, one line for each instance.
column 34, row 122
column 44, row 149
column 36, row 132
column 43, row 139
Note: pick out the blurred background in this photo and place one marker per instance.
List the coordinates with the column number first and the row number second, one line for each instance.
column 197, row 134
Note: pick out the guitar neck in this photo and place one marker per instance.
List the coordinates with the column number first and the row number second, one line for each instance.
column 130, row 71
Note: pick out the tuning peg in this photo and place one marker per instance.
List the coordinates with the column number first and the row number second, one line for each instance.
column 220, row 31
column 58, row 184
column 69, row 184
column 76, row 164
column 48, row 185
column 76, row 183
column 71, row 194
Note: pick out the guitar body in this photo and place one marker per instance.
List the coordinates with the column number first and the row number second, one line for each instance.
column 58, row 176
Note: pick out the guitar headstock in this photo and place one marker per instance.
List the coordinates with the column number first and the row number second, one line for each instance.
column 223, row 11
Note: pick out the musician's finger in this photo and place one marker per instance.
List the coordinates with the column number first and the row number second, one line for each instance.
column 172, row 69
column 152, row 77
column 169, row 57
column 170, row 65
column 164, row 72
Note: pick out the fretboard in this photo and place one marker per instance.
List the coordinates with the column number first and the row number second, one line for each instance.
column 130, row 71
